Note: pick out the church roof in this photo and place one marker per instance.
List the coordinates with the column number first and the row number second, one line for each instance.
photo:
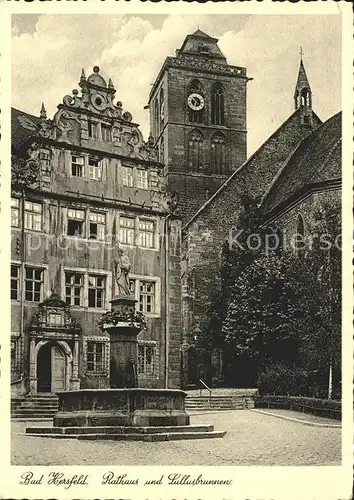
column 23, row 126
column 259, row 170
column 317, row 160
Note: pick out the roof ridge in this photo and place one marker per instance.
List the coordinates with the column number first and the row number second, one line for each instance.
column 285, row 163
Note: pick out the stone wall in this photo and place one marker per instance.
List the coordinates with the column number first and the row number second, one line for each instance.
column 205, row 233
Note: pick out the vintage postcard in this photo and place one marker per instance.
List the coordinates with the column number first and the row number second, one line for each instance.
column 176, row 301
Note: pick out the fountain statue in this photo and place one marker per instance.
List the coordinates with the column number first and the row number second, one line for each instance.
column 125, row 410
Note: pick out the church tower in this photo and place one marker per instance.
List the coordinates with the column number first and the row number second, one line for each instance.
column 303, row 96
column 198, row 120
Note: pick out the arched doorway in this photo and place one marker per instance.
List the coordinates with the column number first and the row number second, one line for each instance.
column 52, row 367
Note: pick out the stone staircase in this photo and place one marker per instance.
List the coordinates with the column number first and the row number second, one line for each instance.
column 34, row 406
column 220, row 399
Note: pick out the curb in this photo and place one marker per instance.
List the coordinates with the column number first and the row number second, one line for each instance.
column 292, row 419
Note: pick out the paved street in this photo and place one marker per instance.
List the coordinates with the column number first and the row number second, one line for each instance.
column 252, row 439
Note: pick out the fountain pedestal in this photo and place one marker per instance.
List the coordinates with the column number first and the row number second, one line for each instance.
column 123, row 344
column 125, row 411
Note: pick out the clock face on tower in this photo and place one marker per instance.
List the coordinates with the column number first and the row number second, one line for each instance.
column 195, row 101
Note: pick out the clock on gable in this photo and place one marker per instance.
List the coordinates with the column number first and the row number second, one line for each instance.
column 195, row 101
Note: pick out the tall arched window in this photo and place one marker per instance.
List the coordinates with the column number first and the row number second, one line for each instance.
column 217, row 105
column 218, row 154
column 156, row 119
column 300, row 236
column 162, row 151
column 195, row 150
column 195, row 115
column 162, row 109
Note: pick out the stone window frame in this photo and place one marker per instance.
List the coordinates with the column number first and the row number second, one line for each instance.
column 195, row 136
column 137, row 278
column 98, row 339
column 136, row 228
column 134, row 176
column 101, row 160
column 216, row 114
column 33, row 217
column 16, row 279
column 156, row 359
column 33, row 281
column 15, row 211
column 16, row 351
column 85, row 299
column 45, row 281
column 86, row 221
column 219, row 138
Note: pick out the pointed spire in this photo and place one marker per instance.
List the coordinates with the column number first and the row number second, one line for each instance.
column 83, row 76
column 302, row 80
column 110, row 84
column 303, row 94
column 43, row 112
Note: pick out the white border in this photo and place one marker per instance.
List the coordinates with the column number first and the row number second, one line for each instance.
column 248, row 482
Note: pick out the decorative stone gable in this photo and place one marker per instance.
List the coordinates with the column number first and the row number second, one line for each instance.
column 92, row 119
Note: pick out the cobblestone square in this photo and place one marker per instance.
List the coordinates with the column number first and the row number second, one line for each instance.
column 252, row 439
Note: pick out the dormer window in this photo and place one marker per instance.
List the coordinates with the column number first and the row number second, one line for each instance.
column 105, row 132
column 93, row 131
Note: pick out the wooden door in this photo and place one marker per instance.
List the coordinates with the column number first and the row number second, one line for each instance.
column 58, row 369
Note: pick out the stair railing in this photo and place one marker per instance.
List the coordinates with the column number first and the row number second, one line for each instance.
column 207, row 388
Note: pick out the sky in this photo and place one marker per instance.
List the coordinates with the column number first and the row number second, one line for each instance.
column 48, row 52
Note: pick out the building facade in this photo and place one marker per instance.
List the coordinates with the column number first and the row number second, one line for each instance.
column 81, row 183
column 86, row 180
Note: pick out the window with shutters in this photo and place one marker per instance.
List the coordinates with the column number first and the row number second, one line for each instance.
column 93, row 129
column 77, row 166
column 105, row 132
column 218, row 154
column 94, row 169
column 76, row 223
column 217, row 105
column 97, row 226
column 142, row 180
column 96, row 291
column 15, row 212
column 127, row 230
column 74, row 288
column 146, row 233
column 195, row 150
column 127, row 176
column 33, row 216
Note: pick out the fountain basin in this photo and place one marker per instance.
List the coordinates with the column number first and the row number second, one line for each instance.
column 136, row 407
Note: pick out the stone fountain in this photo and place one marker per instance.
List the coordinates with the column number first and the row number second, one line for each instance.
column 124, row 411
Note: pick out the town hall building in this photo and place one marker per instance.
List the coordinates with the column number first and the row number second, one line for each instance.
column 86, row 179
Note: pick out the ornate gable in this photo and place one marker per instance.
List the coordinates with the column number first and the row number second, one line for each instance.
column 93, row 120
